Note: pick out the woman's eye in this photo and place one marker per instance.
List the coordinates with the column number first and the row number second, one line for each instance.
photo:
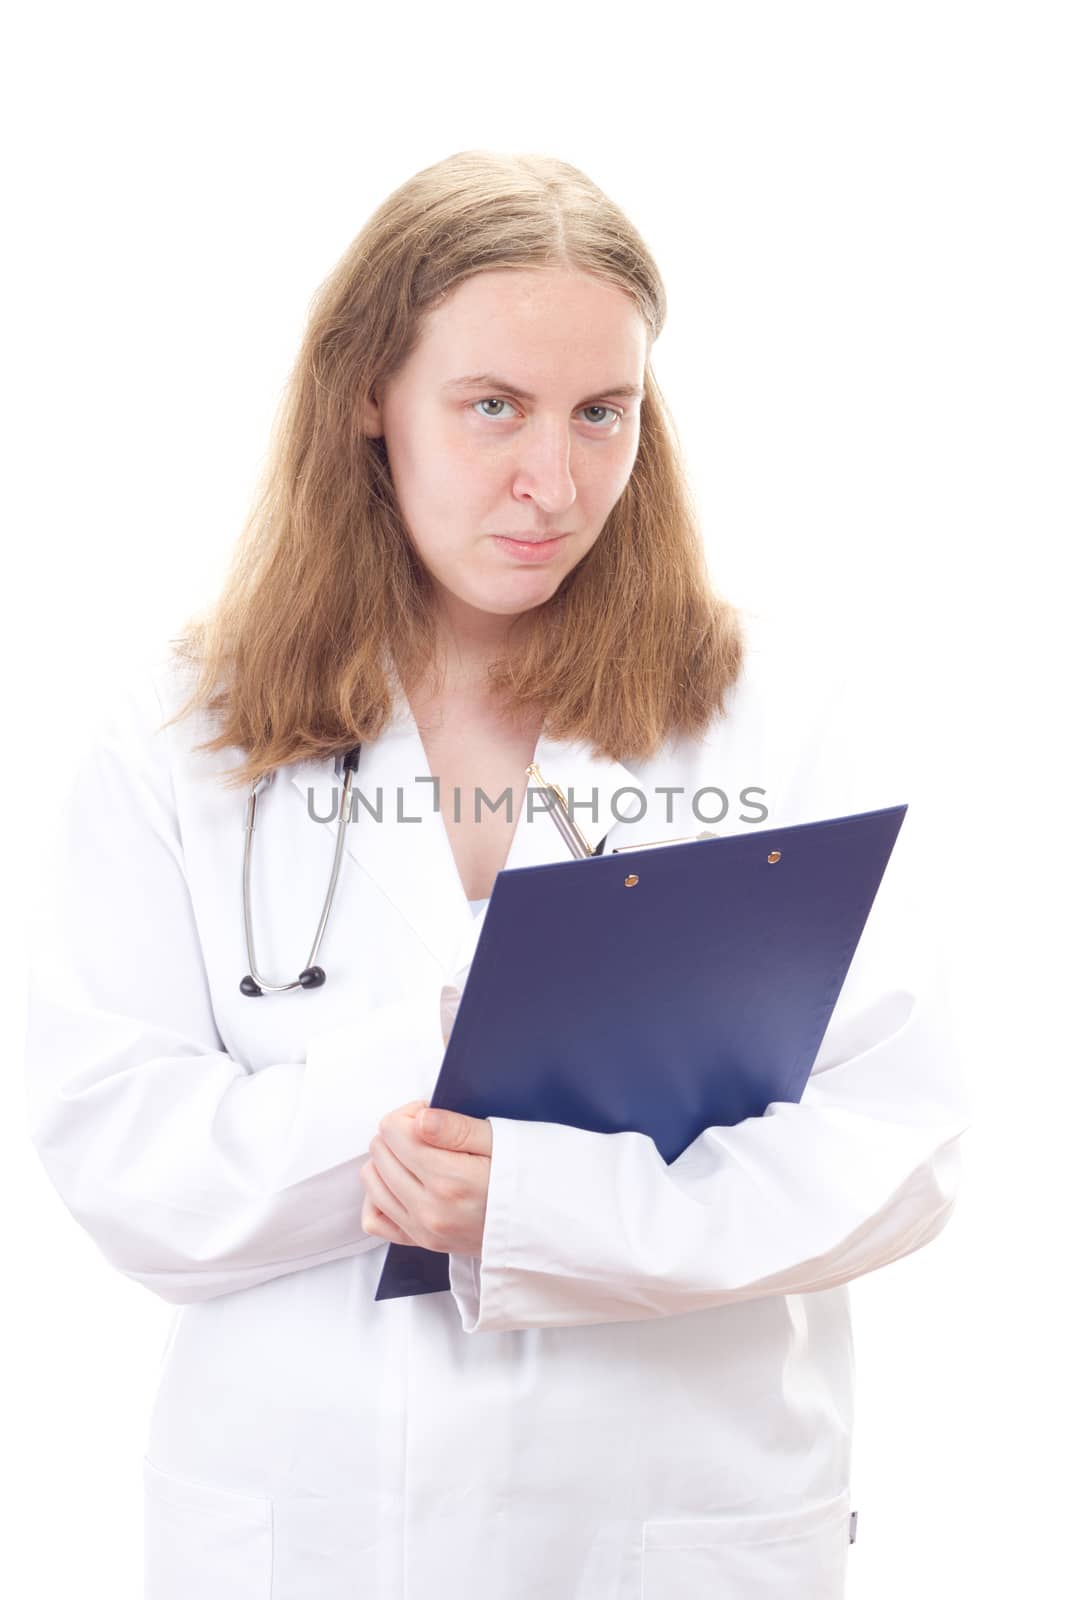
column 492, row 402
column 495, row 400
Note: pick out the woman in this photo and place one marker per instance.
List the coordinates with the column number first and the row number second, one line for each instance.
column 658, row 1399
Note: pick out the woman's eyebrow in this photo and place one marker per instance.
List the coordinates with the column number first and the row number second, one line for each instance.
column 491, row 380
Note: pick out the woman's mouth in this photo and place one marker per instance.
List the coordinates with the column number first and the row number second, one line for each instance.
column 529, row 549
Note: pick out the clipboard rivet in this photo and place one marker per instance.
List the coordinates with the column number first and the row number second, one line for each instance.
column 630, row 879
column 775, row 855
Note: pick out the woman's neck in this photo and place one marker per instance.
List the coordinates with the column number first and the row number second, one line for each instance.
column 459, row 671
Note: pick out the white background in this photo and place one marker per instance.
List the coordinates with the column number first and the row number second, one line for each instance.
column 859, row 214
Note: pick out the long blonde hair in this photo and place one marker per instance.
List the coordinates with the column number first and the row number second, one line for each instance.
column 634, row 647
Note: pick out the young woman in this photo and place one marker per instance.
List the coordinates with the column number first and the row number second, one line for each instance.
column 474, row 549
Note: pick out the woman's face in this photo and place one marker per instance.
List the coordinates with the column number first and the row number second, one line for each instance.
column 541, row 444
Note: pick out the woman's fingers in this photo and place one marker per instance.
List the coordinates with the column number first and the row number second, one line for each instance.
column 381, row 1193
column 405, row 1184
column 391, row 1188
column 376, row 1222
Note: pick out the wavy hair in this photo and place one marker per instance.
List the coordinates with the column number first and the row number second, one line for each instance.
column 634, row 647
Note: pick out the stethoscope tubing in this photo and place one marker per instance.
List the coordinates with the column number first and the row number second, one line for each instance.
column 253, row 983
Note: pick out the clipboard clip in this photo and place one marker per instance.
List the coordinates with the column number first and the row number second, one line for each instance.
column 654, row 844
column 576, row 841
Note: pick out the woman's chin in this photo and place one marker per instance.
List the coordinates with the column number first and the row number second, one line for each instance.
column 518, row 594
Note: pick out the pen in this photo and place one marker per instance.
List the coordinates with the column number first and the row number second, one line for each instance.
column 576, row 840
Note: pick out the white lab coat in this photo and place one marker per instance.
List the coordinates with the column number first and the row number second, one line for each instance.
column 644, row 1388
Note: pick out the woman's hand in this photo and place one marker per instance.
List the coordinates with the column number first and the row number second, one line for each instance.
column 428, row 1187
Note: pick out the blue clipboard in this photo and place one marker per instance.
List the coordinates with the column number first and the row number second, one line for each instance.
column 661, row 990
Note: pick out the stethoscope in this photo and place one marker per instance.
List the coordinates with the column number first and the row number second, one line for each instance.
column 312, row 977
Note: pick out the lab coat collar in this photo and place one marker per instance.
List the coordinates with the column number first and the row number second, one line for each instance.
column 411, row 860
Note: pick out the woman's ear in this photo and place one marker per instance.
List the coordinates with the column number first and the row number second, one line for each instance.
column 373, row 426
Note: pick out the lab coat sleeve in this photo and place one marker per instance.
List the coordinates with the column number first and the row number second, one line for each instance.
column 193, row 1175
column 586, row 1227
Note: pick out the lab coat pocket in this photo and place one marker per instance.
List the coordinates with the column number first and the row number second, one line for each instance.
column 204, row 1541
column 802, row 1554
